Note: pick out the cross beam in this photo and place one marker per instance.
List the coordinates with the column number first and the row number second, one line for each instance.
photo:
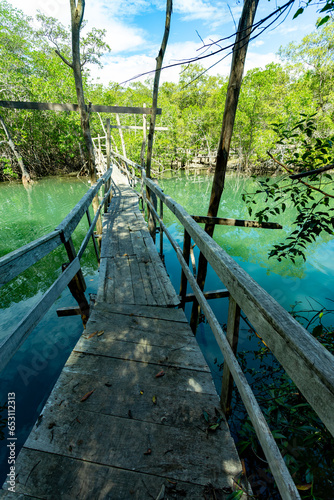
column 97, row 108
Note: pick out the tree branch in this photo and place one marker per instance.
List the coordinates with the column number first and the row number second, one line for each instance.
column 63, row 59
column 312, row 172
column 302, row 182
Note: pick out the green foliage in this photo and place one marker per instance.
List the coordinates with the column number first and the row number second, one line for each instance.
column 302, row 150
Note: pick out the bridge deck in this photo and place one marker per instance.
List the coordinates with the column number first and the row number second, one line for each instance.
column 112, row 428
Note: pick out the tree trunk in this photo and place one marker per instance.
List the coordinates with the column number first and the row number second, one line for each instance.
column 231, row 103
column 77, row 12
column 25, row 174
column 169, row 8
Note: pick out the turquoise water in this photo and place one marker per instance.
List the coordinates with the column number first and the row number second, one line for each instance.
column 26, row 215
column 304, row 285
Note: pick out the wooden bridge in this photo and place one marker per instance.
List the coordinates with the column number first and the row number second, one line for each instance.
column 134, row 413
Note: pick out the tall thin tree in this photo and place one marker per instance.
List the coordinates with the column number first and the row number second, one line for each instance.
column 169, row 9
column 231, row 104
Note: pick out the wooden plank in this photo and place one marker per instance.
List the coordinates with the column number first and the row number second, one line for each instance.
column 95, row 108
column 17, row 336
column 153, row 290
column 146, row 349
column 180, row 454
column 136, row 321
column 124, row 243
column 68, row 311
column 81, row 479
column 235, row 222
column 110, row 282
column 137, row 285
column 216, row 294
column 140, row 311
column 161, row 273
column 18, row 261
column 118, row 384
column 123, row 282
column 305, row 360
column 136, row 127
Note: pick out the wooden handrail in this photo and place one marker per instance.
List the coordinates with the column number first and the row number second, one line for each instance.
column 304, row 359
column 16, row 262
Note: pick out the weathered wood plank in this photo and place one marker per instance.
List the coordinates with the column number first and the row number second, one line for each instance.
column 14, row 263
column 166, row 285
column 121, row 385
column 140, row 311
column 215, row 294
column 180, row 454
column 17, row 336
column 137, row 284
column 95, row 108
column 78, row 479
column 129, row 324
column 306, row 361
column 153, row 289
column 123, row 282
column 235, row 222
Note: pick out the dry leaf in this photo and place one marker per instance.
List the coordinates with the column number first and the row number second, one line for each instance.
column 160, row 374
column 304, row 487
column 141, row 393
column 101, row 332
column 109, row 278
column 86, row 396
column 92, row 334
column 125, row 255
column 154, row 399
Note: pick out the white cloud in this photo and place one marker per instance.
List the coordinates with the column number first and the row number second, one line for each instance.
column 255, row 60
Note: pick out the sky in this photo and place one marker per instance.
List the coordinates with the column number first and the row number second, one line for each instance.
column 134, row 30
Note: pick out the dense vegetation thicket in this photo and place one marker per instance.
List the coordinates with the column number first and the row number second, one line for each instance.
column 50, row 142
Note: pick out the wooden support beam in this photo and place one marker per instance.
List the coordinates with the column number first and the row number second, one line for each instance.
column 186, row 256
column 235, row 222
column 216, row 294
column 68, row 311
column 97, row 108
column 77, row 284
column 136, row 127
column 232, row 335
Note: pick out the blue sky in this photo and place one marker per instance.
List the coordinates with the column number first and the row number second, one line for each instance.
column 135, row 29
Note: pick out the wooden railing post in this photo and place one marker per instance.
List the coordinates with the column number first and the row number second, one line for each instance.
column 93, row 237
column 108, row 151
column 232, row 335
column 161, row 231
column 77, row 285
column 186, row 256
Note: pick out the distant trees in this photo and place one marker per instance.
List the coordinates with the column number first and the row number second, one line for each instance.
column 192, row 108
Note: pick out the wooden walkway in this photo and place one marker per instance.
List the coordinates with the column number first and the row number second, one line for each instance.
column 112, row 428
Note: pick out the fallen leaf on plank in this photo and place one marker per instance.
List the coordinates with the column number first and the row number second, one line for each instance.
column 160, row 374
column 154, row 399
column 86, row 396
column 101, row 332
column 92, row 334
